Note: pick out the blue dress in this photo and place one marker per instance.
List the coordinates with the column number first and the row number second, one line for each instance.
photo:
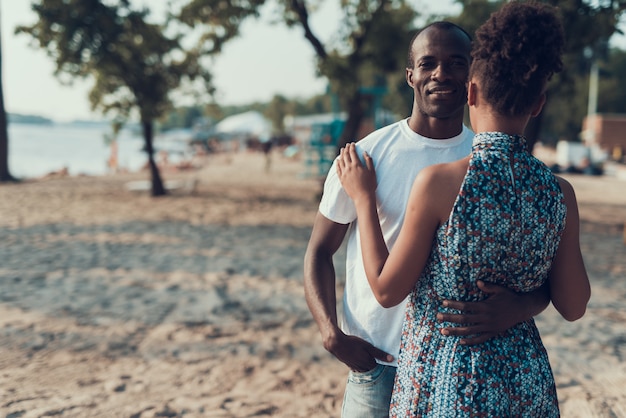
column 504, row 228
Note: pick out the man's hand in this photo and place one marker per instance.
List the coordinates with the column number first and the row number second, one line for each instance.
column 354, row 352
column 485, row 319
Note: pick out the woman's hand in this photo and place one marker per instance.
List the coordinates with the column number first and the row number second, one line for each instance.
column 358, row 181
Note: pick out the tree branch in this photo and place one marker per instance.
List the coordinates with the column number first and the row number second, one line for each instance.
column 299, row 7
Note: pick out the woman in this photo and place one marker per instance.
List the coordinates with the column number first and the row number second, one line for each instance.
column 498, row 215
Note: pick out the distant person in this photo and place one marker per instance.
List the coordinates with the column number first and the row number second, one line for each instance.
column 62, row 172
column 266, row 148
column 498, row 215
column 112, row 162
column 368, row 339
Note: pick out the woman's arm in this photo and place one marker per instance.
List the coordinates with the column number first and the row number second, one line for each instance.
column 391, row 276
column 569, row 284
column 359, row 182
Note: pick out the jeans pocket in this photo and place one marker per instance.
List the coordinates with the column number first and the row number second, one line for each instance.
column 370, row 376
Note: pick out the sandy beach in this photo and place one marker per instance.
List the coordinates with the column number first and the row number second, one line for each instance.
column 115, row 304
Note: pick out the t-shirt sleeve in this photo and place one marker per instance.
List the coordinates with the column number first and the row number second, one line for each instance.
column 336, row 205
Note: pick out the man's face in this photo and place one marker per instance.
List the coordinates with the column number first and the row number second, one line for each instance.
column 440, row 69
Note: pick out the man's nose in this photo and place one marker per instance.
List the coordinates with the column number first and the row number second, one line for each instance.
column 440, row 73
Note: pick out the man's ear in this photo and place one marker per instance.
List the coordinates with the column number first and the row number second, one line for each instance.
column 409, row 76
column 471, row 93
column 538, row 106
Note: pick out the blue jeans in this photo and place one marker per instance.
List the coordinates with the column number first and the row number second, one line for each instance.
column 368, row 394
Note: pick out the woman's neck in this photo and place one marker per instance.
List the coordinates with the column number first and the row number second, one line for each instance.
column 490, row 122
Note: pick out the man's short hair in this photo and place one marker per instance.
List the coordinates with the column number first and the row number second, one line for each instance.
column 440, row 24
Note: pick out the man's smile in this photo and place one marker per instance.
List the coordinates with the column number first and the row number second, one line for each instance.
column 441, row 91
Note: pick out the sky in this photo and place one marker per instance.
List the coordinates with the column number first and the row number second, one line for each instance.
column 263, row 61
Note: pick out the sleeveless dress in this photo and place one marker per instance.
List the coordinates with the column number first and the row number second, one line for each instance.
column 504, row 228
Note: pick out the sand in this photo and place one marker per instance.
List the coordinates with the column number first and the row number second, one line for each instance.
column 115, row 304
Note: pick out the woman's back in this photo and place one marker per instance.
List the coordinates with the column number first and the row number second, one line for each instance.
column 504, row 228
column 507, row 221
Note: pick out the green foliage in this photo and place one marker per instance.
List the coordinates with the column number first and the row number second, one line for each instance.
column 368, row 50
column 182, row 117
column 376, row 47
column 369, row 46
column 314, row 105
column 475, row 13
column 219, row 19
column 588, row 27
column 612, row 89
column 134, row 63
column 399, row 97
column 277, row 109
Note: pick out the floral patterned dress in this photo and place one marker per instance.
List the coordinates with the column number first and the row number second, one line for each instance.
column 504, row 228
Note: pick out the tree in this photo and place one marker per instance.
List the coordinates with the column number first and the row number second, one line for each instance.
column 182, row 117
column 613, row 84
column 276, row 110
column 588, row 26
column 134, row 63
column 219, row 19
column 5, row 174
column 371, row 45
column 366, row 51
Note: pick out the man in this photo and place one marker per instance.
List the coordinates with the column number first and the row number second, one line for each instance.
column 369, row 338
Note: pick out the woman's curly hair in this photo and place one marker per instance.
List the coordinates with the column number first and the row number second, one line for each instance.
column 516, row 51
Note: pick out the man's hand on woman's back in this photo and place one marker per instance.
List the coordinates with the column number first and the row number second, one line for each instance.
column 503, row 309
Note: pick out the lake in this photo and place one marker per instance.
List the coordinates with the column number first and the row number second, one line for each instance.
column 35, row 150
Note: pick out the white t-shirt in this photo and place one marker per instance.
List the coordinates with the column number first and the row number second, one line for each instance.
column 398, row 154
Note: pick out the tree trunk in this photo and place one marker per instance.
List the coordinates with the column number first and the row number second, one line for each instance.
column 157, row 183
column 353, row 123
column 5, row 174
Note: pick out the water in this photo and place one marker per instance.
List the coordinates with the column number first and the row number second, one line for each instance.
column 36, row 150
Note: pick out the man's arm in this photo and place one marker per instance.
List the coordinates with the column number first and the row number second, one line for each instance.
column 320, row 292
column 502, row 310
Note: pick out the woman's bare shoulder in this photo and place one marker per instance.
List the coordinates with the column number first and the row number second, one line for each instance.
column 445, row 173
column 439, row 185
column 568, row 191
